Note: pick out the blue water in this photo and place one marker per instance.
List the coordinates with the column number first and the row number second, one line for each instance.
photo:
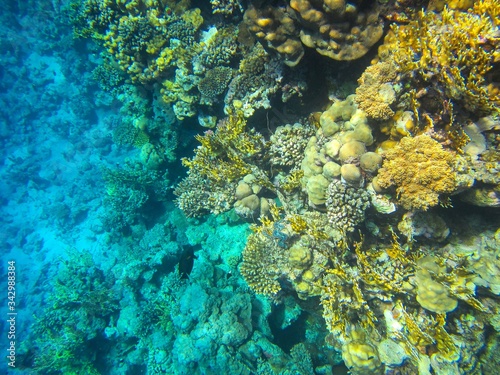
column 102, row 273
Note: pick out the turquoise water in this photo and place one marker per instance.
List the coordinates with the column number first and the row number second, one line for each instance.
column 117, row 260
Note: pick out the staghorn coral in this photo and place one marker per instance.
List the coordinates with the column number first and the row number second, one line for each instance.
column 421, row 170
column 375, row 93
column 346, row 205
column 455, row 49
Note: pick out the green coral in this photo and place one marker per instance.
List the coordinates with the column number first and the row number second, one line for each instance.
column 78, row 310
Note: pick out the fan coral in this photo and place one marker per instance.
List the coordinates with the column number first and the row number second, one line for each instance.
column 421, row 170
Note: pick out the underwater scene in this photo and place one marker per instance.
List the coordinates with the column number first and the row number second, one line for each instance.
column 250, row 187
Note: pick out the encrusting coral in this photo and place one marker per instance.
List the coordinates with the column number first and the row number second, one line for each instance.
column 421, row 170
column 337, row 29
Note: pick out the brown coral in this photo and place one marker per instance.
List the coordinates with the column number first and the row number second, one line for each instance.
column 421, row 170
column 276, row 30
column 339, row 30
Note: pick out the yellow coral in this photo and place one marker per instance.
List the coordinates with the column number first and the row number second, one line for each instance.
column 420, row 169
column 454, row 47
column 375, row 93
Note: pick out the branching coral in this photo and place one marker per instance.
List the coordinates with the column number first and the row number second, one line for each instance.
column 139, row 34
column 421, row 170
column 258, row 77
column 288, row 144
column 222, row 154
column 76, row 313
column 454, row 48
column 196, row 196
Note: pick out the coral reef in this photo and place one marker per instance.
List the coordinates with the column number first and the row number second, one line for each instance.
column 276, row 29
column 337, row 29
column 346, row 205
column 77, row 312
column 288, row 144
column 334, row 237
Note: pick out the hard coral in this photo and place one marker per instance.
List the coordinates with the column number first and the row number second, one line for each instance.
column 375, row 94
column 420, row 169
column 277, row 31
column 346, row 205
column 261, row 264
column 454, row 51
column 215, row 82
column 338, row 29
column 288, row 144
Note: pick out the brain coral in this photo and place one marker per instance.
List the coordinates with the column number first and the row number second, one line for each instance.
column 421, row 170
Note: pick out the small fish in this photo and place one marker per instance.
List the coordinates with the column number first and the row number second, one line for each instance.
column 186, row 261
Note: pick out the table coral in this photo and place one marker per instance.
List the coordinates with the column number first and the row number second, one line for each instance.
column 421, row 170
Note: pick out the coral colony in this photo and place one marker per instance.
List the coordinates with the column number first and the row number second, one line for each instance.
column 333, row 168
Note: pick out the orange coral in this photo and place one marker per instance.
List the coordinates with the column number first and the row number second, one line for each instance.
column 421, row 170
